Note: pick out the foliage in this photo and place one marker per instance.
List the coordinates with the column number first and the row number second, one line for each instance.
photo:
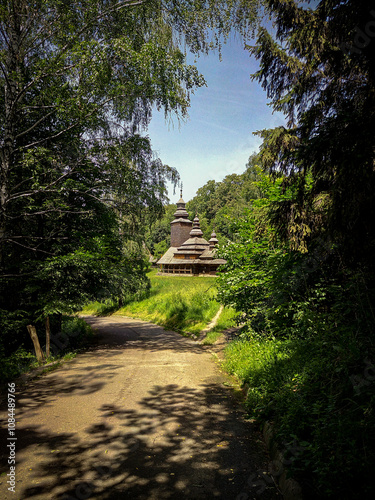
column 320, row 72
column 308, row 335
column 15, row 364
column 78, row 181
column 160, row 249
column 77, row 331
column 158, row 237
column 74, row 329
column 218, row 202
column 305, row 283
column 320, row 393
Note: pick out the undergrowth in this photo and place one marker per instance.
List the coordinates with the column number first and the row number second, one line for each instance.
column 75, row 333
column 320, row 394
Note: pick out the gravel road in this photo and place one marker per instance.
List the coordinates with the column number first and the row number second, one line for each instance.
column 143, row 414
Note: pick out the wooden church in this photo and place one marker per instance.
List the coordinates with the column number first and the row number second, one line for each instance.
column 189, row 252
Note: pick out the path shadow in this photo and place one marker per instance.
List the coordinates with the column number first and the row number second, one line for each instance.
column 178, row 443
column 113, row 333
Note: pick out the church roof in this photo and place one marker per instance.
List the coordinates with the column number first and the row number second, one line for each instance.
column 168, row 256
column 196, row 243
column 196, row 230
column 195, row 250
column 181, row 219
column 181, row 214
column 213, row 239
column 208, row 255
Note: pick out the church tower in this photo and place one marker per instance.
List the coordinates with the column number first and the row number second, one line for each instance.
column 181, row 225
column 189, row 253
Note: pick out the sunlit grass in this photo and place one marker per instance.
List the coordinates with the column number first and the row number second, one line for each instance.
column 182, row 303
column 227, row 319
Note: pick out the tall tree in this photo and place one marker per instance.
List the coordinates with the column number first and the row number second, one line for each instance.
column 78, row 82
column 320, row 71
column 71, row 73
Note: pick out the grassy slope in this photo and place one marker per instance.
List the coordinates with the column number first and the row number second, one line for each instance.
column 182, row 303
column 321, row 400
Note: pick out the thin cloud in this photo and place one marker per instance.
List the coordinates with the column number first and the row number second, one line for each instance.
column 211, row 124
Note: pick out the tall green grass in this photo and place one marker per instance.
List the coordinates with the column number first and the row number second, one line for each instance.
column 183, row 303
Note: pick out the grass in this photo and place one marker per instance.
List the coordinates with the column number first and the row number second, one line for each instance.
column 305, row 386
column 227, row 319
column 186, row 304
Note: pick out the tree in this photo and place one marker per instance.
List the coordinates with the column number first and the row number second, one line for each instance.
column 78, row 84
column 158, row 235
column 74, row 73
column 217, row 203
column 203, row 202
column 94, row 68
column 320, row 72
column 302, row 273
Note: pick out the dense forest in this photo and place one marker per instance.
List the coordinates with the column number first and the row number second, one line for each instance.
column 296, row 228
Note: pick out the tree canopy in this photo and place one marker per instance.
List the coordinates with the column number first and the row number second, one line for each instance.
column 319, row 71
column 78, row 83
column 300, row 271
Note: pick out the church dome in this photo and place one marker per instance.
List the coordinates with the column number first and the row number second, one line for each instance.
column 196, row 230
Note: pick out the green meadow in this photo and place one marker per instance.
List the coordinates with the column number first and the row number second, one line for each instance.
column 186, row 304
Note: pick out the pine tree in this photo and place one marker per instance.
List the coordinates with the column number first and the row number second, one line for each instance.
column 320, row 71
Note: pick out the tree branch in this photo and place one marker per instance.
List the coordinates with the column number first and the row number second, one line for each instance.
column 34, row 125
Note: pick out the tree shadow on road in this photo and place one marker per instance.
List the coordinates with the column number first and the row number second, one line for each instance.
column 177, row 443
column 120, row 333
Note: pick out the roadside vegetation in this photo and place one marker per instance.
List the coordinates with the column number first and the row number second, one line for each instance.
column 306, row 351
column 300, row 266
column 74, row 335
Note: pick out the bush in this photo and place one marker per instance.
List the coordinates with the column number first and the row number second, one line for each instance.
column 14, row 365
column 75, row 333
column 76, row 330
column 320, row 394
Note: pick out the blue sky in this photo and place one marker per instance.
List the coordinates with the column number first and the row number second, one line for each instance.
column 217, row 138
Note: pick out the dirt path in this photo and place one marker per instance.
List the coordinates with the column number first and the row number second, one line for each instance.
column 145, row 414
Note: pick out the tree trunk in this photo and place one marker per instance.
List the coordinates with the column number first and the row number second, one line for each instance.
column 12, row 100
column 34, row 337
column 48, row 336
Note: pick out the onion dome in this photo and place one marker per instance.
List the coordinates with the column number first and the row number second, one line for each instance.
column 213, row 240
column 196, row 231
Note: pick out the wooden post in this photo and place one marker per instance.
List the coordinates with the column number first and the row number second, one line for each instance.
column 48, row 336
column 34, row 337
